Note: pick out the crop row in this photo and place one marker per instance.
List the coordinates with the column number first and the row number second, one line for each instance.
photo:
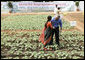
column 29, row 22
column 25, row 45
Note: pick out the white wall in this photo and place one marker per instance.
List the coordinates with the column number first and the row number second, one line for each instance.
column 65, row 5
column 81, row 5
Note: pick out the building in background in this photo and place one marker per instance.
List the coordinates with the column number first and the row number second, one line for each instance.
column 41, row 6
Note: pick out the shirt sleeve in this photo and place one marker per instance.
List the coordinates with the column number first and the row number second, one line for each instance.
column 52, row 21
column 60, row 23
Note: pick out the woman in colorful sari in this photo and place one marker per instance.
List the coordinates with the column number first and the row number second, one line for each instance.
column 46, row 34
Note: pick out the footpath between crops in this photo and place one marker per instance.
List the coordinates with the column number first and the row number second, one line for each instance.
column 17, row 31
column 76, row 16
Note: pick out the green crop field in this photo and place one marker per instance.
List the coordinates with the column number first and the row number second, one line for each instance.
column 26, row 45
column 27, row 22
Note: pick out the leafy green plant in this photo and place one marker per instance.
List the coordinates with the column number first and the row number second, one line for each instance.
column 24, row 47
column 77, row 3
column 28, row 22
column 10, row 4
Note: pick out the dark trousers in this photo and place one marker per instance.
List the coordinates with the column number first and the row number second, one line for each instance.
column 56, row 32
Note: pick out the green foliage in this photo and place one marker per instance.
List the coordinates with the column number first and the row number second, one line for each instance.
column 77, row 3
column 72, row 46
column 25, row 45
column 29, row 22
column 10, row 4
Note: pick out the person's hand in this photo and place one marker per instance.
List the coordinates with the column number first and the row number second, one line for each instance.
column 61, row 30
column 53, row 27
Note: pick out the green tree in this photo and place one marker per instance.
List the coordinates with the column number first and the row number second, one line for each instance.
column 77, row 5
column 10, row 6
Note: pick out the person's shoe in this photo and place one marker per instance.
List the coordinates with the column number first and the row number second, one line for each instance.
column 59, row 47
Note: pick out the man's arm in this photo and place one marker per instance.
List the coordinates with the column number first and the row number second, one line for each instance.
column 52, row 23
column 60, row 24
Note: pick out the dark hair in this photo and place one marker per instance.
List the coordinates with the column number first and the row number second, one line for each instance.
column 58, row 16
column 48, row 19
column 58, row 8
column 56, row 5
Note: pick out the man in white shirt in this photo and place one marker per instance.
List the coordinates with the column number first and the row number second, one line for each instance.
column 55, row 9
column 57, row 12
